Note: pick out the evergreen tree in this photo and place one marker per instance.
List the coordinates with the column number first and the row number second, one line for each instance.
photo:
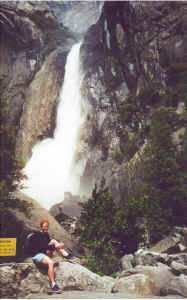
column 10, row 167
column 164, row 187
column 97, row 230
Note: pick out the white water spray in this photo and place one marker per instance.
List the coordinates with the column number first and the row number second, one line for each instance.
column 50, row 170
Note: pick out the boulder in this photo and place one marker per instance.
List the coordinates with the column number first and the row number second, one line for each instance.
column 137, row 284
column 75, row 276
column 127, row 261
column 179, row 257
column 23, row 279
column 171, row 244
column 178, row 268
column 160, row 275
column 19, row 280
column 177, row 286
column 149, row 258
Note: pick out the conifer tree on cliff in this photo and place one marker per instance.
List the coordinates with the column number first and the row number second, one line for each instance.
column 10, row 167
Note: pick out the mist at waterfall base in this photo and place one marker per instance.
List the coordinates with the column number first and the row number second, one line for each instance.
column 51, row 171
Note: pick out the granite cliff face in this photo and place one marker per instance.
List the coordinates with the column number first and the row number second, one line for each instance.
column 34, row 45
column 35, row 39
column 121, row 54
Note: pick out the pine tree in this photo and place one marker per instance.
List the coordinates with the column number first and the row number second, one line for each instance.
column 10, row 167
column 97, row 230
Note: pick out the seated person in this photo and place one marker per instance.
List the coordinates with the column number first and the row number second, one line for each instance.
column 41, row 249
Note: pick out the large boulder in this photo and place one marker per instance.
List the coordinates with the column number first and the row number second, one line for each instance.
column 145, row 257
column 177, row 286
column 160, row 276
column 24, row 279
column 75, row 276
column 137, row 284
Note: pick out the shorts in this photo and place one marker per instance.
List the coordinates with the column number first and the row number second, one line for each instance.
column 38, row 257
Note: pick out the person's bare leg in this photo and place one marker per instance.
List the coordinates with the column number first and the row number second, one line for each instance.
column 51, row 274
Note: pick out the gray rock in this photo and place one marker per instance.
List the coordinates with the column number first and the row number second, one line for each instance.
column 177, row 286
column 127, row 261
column 169, row 244
column 23, row 279
column 136, row 284
column 147, row 257
column 75, row 276
column 178, row 267
column 160, row 275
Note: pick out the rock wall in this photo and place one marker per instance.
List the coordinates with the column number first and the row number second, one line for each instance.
column 35, row 40
column 41, row 101
column 31, row 77
column 120, row 56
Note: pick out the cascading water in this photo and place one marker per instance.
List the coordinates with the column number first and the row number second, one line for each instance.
column 51, row 171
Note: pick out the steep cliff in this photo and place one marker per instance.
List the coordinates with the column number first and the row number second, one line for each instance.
column 127, row 50
column 124, row 56
column 33, row 48
column 29, row 33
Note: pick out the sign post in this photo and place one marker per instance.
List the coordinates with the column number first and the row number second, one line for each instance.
column 7, row 246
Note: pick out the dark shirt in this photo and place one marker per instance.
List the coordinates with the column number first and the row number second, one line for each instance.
column 39, row 242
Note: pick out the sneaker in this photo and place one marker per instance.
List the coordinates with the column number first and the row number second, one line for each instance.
column 69, row 256
column 56, row 289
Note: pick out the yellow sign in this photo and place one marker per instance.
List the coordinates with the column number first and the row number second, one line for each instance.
column 7, row 246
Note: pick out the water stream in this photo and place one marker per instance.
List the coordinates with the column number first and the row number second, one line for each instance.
column 51, row 170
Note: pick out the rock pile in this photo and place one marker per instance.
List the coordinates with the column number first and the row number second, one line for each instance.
column 146, row 273
column 25, row 280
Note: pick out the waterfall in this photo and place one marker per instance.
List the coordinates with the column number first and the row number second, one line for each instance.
column 51, row 170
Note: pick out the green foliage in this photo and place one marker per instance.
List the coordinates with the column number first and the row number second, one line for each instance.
column 164, row 186
column 97, row 230
column 151, row 116
column 176, row 71
column 134, row 113
column 108, row 231
column 126, row 228
column 160, row 199
column 118, row 155
column 135, row 116
column 10, row 166
column 99, row 205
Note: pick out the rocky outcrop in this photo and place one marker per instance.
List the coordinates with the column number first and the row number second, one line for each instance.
column 77, row 16
column 118, row 58
column 151, row 279
column 18, row 225
column 31, row 78
column 24, row 279
column 121, row 55
column 142, row 274
column 41, row 100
